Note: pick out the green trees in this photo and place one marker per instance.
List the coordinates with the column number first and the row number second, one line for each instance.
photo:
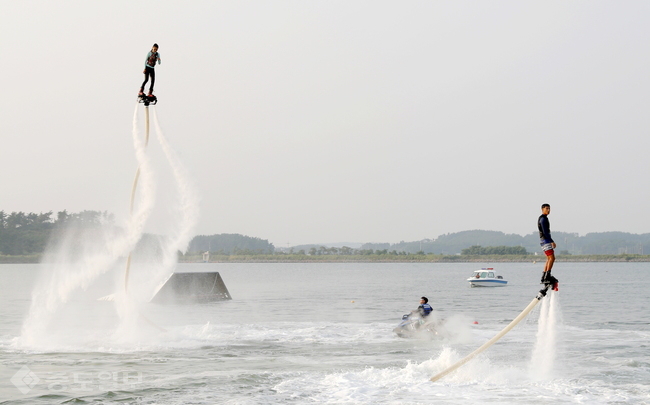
column 494, row 250
column 29, row 233
column 343, row 251
column 230, row 244
column 22, row 234
column 602, row 243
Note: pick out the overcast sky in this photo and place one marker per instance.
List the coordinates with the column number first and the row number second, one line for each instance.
column 316, row 122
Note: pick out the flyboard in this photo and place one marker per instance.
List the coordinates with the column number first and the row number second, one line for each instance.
column 147, row 99
column 541, row 294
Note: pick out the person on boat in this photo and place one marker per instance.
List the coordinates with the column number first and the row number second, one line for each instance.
column 547, row 243
column 152, row 57
column 424, row 309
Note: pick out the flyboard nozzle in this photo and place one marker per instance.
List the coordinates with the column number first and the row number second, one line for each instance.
column 542, row 293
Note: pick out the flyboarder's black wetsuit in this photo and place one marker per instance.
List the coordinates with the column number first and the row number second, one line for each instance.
column 544, row 226
column 545, row 240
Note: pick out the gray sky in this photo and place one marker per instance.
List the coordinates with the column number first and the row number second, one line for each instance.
column 313, row 122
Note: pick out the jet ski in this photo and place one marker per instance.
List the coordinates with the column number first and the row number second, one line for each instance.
column 413, row 325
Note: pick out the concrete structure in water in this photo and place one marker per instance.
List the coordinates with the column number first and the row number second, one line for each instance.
column 187, row 288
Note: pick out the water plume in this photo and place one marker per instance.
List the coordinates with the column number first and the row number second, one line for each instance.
column 188, row 203
column 80, row 259
column 546, row 345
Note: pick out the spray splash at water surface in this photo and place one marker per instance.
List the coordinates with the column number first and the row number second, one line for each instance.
column 546, row 345
column 85, row 260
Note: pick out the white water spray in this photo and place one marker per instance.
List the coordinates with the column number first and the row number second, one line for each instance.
column 151, row 277
column 148, row 193
column 189, row 202
column 95, row 253
column 546, row 346
column 66, row 273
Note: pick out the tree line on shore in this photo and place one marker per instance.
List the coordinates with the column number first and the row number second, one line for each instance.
column 596, row 243
column 30, row 233
column 230, row 244
column 348, row 251
column 477, row 250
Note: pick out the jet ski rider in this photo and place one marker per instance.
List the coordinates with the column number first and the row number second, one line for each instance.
column 424, row 309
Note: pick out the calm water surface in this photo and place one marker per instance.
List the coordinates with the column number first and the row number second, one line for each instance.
column 305, row 333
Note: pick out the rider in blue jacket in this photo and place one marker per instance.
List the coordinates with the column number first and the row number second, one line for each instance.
column 424, row 309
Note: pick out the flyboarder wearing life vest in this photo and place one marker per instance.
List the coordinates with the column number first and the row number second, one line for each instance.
column 548, row 245
column 149, row 71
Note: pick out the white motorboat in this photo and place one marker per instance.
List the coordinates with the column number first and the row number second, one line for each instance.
column 486, row 277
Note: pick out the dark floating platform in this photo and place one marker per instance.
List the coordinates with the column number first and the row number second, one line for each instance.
column 189, row 288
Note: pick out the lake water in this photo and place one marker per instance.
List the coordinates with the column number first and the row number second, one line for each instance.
column 305, row 333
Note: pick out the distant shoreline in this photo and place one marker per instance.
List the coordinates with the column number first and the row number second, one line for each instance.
column 431, row 258
column 374, row 258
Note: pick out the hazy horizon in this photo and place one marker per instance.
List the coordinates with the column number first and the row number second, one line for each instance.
column 365, row 121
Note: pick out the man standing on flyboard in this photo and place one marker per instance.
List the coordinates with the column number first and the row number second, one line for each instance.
column 149, row 71
column 548, row 246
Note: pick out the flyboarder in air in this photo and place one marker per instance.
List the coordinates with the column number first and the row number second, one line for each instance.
column 149, row 64
column 550, row 282
column 548, row 245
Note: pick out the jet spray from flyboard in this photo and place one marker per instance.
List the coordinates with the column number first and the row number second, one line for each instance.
column 188, row 199
column 140, row 146
column 77, row 258
column 179, row 287
column 541, row 294
column 546, row 345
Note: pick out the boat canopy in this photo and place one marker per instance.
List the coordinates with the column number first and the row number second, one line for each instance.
column 486, row 272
